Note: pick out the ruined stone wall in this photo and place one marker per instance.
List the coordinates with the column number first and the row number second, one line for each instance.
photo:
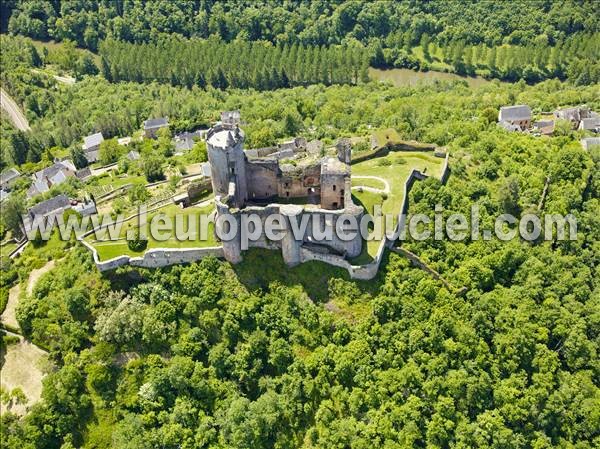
column 262, row 179
column 323, row 218
column 155, row 258
column 300, row 183
column 445, row 168
column 380, row 151
column 333, row 190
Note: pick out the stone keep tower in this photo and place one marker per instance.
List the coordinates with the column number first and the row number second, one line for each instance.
column 225, row 146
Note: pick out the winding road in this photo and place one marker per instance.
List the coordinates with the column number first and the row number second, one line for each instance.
column 11, row 108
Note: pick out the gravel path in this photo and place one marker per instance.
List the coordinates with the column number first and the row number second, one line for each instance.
column 373, row 189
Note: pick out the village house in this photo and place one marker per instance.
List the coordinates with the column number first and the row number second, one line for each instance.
column 573, row 115
column 186, row 140
column 133, row 155
column 8, row 178
column 51, row 209
column 91, row 147
column 589, row 142
column 590, row 124
column 544, row 127
column 151, row 126
column 56, row 174
column 511, row 117
column 54, row 208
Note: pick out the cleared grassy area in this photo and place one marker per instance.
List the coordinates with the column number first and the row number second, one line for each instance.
column 395, row 168
column 117, row 181
column 385, row 136
column 6, row 249
column 368, row 182
column 109, row 249
column 53, row 46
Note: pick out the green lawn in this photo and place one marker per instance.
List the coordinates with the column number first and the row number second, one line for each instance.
column 375, row 183
column 110, row 249
column 395, row 168
column 6, row 249
column 396, row 173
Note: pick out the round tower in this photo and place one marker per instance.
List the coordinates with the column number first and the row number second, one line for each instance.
column 225, row 147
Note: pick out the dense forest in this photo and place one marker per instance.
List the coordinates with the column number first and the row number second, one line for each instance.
column 533, row 40
column 238, row 64
column 260, row 356
column 505, row 354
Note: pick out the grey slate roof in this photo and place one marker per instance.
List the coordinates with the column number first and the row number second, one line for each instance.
column 185, row 144
column 51, row 171
column 37, row 187
column 587, row 142
column 9, row 175
column 590, row 124
column 49, row 206
column 156, row 123
column 133, row 155
column 511, row 113
column 92, row 140
column 83, row 173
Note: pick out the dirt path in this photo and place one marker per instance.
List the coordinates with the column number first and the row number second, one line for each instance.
column 16, row 115
column 22, row 366
column 373, row 189
column 9, row 316
column 61, row 79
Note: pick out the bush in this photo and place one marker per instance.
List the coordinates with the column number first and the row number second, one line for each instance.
column 137, row 244
column 384, row 163
column 11, row 340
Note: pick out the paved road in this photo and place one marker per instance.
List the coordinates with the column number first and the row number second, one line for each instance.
column 16, row 116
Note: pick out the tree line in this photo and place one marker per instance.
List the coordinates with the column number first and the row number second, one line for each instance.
column 541, row 39
column 237, row 64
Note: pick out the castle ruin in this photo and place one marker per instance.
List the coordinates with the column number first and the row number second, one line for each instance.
column 291, row 183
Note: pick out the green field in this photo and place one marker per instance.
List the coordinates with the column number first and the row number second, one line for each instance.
column 109, row 249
